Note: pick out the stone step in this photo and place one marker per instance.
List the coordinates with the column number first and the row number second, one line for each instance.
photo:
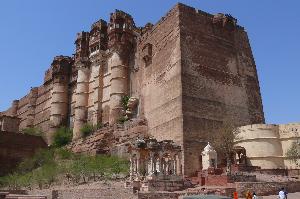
column 17, row 196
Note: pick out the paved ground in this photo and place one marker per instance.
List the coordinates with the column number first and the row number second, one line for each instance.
column 290, row 196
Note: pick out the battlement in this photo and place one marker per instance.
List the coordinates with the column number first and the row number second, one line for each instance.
column 81, row 36
column 99, row 24
column 121, row 20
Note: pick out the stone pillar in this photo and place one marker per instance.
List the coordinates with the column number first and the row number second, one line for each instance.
column 138, row 165
column 161, row 166
column 151, row 162
column 175, row 164
column 179, row 166
column 81, row 104
column 120, row 44
column 131, row 167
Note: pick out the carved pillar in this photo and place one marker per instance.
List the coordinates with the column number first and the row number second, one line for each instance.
column 151, row 162
column 132, row 167
column 179, row 166
column 138, row 165
column 120, row 44
column 161, row 166
column 82, row 92
column 175, row 164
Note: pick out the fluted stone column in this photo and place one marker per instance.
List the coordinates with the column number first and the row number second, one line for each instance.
column 82, row 92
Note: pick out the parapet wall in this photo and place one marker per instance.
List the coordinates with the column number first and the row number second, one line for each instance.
column 14, row 147
column 267, row 144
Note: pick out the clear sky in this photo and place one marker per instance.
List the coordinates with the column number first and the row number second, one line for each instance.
column 32, row 32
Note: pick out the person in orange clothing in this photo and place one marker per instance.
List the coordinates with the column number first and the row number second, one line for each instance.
column 248, row 195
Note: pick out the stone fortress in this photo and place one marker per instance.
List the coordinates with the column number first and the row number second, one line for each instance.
column 184, row 75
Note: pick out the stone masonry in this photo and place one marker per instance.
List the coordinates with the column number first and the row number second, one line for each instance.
column 188, row 73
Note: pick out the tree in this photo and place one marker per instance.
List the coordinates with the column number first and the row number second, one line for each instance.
column 293, row 153
column 224, row 141
column 87, row 129
column 62, row 137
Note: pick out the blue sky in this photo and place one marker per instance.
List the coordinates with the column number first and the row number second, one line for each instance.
column 32, row 32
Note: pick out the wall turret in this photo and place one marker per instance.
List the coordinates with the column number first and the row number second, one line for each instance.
column 98, row 46
column 61, row 68
column 82, row 47
column 82, row 64
column 120, row 44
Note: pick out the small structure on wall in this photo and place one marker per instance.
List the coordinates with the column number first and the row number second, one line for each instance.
column 209, row 157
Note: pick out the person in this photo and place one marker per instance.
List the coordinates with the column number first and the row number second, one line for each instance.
column 254, row 196
column 285, row 193
column 248, row 195
column 281, row 194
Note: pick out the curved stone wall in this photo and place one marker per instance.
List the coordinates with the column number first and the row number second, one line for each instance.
column 267, row 144
column 82, row 92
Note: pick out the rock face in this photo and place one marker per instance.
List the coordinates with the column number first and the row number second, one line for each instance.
column 189, row 72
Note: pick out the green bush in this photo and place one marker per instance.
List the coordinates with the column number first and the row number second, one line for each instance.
column 124, row 102
column 63, row 154
column 46, row 175
column 32, row 131
column 99, row 125
column 123, row 119
column 49, row 166
column 41, row 157
column 87, row 129
column 62, row 137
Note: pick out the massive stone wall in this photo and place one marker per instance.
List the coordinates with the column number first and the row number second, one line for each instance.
column 219, row 79
column 15, row 147
column 157, row 83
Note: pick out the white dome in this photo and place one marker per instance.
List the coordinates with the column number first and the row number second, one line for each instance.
column 208, row 148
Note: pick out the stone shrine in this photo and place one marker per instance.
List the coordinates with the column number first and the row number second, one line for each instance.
column 209, row 157
column 155, row 166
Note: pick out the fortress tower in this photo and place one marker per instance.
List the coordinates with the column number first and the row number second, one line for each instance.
column 121, row 43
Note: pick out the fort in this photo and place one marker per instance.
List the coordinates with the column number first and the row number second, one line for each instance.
column 184, row 76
